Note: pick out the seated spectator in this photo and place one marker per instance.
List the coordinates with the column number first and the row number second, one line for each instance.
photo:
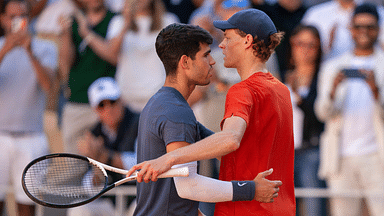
column 111, row 141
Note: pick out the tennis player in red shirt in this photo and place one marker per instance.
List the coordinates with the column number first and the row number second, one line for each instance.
column 264, row 104
column 257, row 128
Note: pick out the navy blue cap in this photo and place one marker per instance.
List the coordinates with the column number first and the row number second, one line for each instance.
column 251, row 21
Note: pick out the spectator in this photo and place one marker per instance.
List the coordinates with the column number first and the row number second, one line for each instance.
column 351, row 106
column 182, row 8
column 286, row 14
column 27, row 65
column 111, row 141
column 47, row 22
column 332, row 19
column 86, row 54
column 334, row 28
column 140, row 73
column 45, row 26
column 305, row 58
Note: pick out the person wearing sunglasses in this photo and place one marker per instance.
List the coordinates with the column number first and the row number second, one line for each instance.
column 112, row 140
column 350, row 103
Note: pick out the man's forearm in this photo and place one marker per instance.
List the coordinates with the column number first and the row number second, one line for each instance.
column 106, row 49
column 66, row 54
column 214, row 146
column 42, row 75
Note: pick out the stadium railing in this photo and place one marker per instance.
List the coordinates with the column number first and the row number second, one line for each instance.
column 122, row 193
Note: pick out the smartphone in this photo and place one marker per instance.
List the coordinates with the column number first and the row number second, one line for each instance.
column 19, row 23
column 353, row 73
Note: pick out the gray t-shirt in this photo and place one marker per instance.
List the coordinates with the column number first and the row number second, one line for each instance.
column 166, row 118
column 22, row 100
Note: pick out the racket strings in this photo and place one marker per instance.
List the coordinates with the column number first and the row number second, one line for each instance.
column 63, row 181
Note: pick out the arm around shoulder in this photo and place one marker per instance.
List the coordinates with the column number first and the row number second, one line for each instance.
column 216, row 145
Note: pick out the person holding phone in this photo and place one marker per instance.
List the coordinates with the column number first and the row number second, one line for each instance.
column 352, row 144
column 27, row 66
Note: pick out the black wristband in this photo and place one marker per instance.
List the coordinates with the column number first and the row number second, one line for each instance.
column 243, row 190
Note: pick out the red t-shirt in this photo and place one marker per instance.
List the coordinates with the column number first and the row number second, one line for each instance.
column 265, row 104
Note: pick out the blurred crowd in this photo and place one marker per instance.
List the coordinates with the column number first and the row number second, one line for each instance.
column 75, row 75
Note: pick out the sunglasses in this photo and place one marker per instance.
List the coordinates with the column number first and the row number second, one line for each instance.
column 368, row 27
column 103, row 103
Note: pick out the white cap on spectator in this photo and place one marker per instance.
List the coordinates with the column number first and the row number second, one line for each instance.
column 104, row 88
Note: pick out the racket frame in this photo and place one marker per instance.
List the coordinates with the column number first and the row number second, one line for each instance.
column 176, row 172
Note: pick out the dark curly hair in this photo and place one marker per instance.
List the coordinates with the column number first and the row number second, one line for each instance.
column 261, row 49
column 177, row 40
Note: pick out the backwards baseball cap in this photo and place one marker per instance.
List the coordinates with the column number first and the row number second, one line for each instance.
column 104, row 88
column 251, row 21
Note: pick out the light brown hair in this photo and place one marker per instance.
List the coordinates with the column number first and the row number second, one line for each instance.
column 260, row 47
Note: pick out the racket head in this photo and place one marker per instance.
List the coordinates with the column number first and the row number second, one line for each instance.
column 63, row 180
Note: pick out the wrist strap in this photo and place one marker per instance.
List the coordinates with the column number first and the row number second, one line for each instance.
column 243, row 190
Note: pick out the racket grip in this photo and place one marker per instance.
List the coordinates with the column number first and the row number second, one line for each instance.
column 176, row 172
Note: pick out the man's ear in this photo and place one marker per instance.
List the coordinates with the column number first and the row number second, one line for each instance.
column 248, row 40
column 183, row 62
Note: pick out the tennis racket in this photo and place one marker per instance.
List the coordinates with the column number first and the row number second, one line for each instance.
column 69, row 180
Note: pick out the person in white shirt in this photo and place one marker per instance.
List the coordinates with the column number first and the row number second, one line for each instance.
column 332, row 18
column 27, row 66
column 351, row 106
column 139, row 72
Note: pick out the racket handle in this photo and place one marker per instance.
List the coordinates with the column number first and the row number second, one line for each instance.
column 176, row 172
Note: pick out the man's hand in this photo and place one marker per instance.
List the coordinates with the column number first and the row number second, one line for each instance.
column 338, row 79
column 266, row 190
column 83, row 24
column 370, row 79
column 26, row 42
column 150, row 170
